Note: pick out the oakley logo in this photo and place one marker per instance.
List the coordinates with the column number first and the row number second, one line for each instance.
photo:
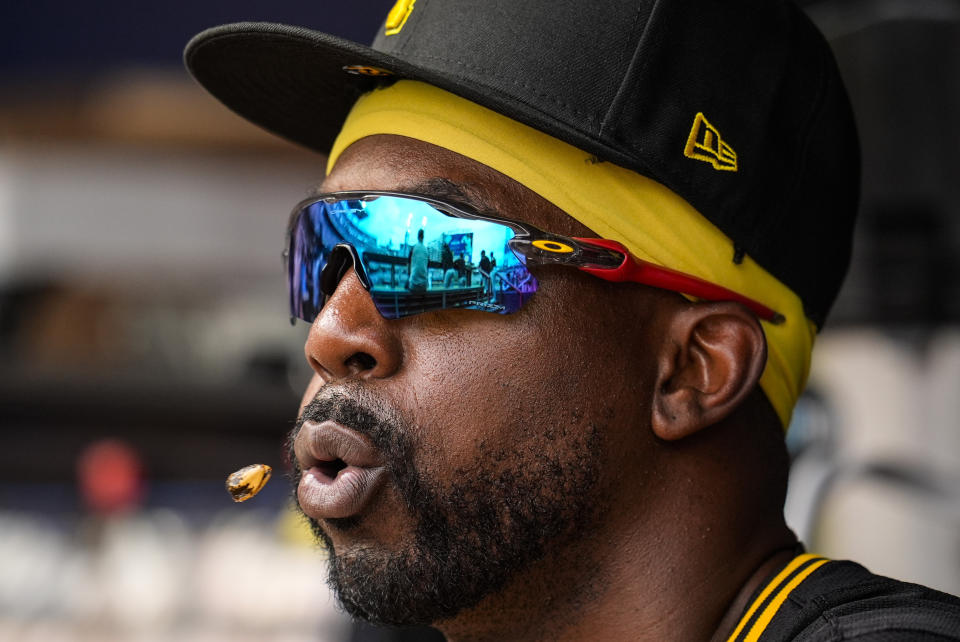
column 552, row 246
column 398, row 16
column 706, row 145
column 482, row 305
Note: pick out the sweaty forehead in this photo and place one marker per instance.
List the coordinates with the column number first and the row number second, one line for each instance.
column 398, row 163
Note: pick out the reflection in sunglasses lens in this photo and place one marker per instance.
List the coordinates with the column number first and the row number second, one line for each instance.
column 415, row 257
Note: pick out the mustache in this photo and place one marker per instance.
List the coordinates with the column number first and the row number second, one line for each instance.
column 358, row 410
column 355, row 408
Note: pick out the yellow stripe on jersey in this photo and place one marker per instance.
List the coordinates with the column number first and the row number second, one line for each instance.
column 772, row 597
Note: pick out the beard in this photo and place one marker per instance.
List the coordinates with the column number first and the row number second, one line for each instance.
column 472, row 535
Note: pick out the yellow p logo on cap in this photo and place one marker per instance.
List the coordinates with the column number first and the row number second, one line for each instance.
column 398, row 16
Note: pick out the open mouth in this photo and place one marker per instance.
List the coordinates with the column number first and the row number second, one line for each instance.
column 331, row 468
column 342, row 470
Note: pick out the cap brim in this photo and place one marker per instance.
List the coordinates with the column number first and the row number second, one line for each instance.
column 288, row 80
column 291, row 81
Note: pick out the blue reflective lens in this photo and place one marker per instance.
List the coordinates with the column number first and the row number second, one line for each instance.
column 414, row 257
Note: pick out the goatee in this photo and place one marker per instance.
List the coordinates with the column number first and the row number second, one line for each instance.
column 490, row 521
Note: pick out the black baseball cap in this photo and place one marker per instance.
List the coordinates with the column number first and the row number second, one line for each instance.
column 735, row 105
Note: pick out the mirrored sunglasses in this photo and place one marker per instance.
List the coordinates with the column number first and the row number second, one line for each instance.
column 417, row 254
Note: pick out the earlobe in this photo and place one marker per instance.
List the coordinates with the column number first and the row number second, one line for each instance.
column 709, row 363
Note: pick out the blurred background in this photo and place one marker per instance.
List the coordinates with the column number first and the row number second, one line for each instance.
column 145, row 351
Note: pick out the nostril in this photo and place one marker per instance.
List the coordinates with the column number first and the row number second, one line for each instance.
column 350, row 339
column 360, row 361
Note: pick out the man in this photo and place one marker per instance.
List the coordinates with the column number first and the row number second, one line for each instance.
column 460, row 265
column 446, row 266
column 603, row 460
column 417, row 265
column 485, row 271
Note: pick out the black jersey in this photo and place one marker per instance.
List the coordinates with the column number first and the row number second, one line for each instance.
column 816, row 599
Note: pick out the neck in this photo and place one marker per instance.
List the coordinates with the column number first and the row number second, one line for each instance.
column 680, row 571
column 633, row 592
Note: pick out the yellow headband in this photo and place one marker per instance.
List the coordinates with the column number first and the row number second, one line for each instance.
column 653, row 222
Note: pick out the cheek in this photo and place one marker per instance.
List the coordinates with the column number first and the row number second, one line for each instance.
column 463, row 388
column 509, row 385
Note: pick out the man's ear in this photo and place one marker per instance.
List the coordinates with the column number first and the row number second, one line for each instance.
column 710, row 361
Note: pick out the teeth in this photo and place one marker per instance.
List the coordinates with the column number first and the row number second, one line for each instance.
column 248, row 481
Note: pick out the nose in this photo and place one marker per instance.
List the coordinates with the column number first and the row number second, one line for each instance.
column 350, row 339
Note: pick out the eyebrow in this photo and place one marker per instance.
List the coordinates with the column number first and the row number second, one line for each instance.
column 443, row 189
column 464, row 194
column 316, row 189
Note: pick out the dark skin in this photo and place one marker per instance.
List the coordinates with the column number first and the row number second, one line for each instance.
column 688, row 504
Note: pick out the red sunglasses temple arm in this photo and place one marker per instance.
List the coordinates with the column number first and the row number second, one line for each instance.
column 635, row 270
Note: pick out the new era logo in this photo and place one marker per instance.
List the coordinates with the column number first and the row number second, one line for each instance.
column 706, row 145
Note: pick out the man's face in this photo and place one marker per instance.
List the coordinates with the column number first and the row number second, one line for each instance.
column 481, row 450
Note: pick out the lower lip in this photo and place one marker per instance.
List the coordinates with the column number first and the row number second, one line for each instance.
column 346, row 495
